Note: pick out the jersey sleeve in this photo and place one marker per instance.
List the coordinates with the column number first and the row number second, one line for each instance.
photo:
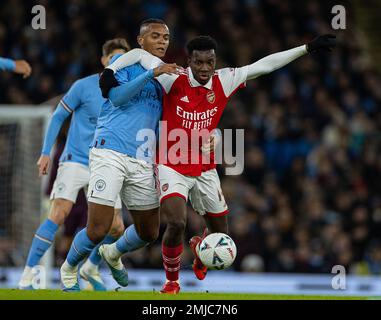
column 7, row 64
column 274, row 61
column 232, row 78
column 55, row 124
column 167, row 80
column 72, row 99
column 122, row 76
column 122, row 94
column 147, row 60
column 114, row 58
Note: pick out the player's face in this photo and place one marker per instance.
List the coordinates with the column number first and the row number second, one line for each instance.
column 106, row 59
column 155, row 39
column 202, row 64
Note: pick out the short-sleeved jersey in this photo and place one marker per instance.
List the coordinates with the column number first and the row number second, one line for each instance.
column 84, row 99
column 197, row 109
column 119, row 126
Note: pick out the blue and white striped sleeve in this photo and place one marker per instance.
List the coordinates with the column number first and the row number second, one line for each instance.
column 72, row 99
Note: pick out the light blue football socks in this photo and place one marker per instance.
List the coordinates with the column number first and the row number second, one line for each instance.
column 80, row 248
column 95, row 257
column 42, row 241
column 130, row 241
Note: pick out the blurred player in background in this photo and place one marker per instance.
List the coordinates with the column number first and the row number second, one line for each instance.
column 115, row 168
column 16, row 66
column 84, row 101
column 193, row 101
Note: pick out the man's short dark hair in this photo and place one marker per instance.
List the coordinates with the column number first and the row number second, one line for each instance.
column 201, row 43
column 118, row 43
column 150, row 21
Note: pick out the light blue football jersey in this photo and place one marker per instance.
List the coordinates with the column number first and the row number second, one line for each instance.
column 118, row 126
column 84, row 100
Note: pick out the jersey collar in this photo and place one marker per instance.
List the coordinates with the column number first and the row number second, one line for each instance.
column 194, row 83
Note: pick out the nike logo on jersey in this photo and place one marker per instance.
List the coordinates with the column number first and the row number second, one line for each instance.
column 185, row 99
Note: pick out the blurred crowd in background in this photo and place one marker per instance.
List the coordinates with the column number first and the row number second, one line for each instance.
column 310, row 194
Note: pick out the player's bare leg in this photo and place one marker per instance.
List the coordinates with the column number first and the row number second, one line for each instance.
column 89, row 270
column 117, row 227
column 60, row 210
column 174, row 211
column 99, row 222
column 144, row 231
column 214, row 224
column 147, row 224
column 43, row 239
column 217, row 224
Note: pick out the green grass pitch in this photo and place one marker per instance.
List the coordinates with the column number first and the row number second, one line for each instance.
column 15, row 294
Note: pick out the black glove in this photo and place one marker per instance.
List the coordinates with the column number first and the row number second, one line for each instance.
column 107, row 81
column 324, row 43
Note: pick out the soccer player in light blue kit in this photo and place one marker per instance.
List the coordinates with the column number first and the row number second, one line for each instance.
column 16, row 66
column 115, row 164
column 83, row 101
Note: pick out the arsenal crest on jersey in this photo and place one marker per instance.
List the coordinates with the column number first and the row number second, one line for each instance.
column 210, row 96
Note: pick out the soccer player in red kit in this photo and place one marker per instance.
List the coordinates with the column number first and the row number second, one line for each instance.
column 193, row 103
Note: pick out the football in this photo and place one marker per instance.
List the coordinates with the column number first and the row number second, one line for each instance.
column 217, row 251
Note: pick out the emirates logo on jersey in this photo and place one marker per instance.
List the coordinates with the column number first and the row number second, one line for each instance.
column 210, row 96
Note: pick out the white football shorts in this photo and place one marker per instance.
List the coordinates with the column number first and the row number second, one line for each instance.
column 72, row 177
column 204, row 191
column 113, row 173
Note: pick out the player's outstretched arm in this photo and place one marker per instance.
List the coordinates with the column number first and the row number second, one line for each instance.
column 278, row 60
column 23, row 67
column 232, row 78
column 16, row 66
column 7, row 64
column 274, row 61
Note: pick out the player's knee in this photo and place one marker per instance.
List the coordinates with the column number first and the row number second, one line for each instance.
column 60, row 210
column 176, row 227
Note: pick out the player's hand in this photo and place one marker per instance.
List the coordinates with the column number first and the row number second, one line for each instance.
column 23, row 67
column 168, row 68
column 107, row 81
column 43, row 165
column 211, row 144
column 208, row 147
column 324, row 43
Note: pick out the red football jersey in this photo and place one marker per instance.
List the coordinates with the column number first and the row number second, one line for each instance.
column 190, row 112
